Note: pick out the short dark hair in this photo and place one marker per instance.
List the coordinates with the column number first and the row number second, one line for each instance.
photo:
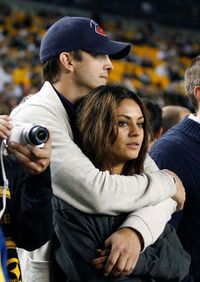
column 51, row 68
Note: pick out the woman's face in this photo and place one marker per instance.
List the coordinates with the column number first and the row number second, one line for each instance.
column 130, row 136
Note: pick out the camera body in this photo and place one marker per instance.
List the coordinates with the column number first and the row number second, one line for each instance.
column 27, row 133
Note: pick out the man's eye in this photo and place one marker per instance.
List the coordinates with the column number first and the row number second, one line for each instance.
column 122, row 123
column 95, row 55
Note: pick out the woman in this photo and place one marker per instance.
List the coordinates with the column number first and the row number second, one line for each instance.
column 113, row 129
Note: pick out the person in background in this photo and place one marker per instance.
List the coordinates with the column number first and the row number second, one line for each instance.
column 172, row 115
column 27, row 221
column 155, row 120
column 75, row 53
column 178, row 150
column 113, row 131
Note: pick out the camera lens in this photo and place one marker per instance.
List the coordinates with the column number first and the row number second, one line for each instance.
column 37, row 135
column 41, row 134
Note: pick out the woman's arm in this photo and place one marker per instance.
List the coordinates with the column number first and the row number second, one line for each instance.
column 164, row 260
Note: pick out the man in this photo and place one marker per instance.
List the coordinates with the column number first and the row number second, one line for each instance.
column 26, row 215
column 178, row 150
column 75, row 53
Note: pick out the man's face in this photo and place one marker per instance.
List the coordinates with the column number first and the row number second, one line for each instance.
column 91, row 71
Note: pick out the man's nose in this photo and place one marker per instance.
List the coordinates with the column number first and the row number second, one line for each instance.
column 108, row 65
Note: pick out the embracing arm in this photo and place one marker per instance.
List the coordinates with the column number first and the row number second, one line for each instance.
column 150, row 221
column 79, row 183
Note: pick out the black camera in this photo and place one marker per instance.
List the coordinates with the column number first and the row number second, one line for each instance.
column 26, row 133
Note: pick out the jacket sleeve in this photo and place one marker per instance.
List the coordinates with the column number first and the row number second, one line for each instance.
column 150, row 165
column 150, row 221
column 32, row 213
column 165, row 259
column 79, row 183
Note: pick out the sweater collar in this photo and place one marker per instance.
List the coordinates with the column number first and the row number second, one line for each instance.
column 195, row 118
column 190, row 127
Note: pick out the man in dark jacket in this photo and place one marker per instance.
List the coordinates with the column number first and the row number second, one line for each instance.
column 27, row 218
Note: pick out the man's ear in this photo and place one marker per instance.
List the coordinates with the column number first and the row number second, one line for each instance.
column 197, row 93
column 66, row 61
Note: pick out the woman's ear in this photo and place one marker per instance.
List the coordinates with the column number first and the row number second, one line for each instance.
column 66, row 61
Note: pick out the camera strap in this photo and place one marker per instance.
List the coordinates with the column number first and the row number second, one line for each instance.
column 5, row 180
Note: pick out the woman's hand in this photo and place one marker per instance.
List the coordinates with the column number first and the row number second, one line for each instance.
column 121, row 253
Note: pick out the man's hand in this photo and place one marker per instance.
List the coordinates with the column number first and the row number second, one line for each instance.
column 120, row 254
column 5, row 127
column 180, row 190
column 34, row 159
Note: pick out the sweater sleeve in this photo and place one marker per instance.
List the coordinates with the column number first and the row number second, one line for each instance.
column 150, row 221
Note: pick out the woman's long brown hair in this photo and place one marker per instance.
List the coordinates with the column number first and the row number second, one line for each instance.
column 96, row 123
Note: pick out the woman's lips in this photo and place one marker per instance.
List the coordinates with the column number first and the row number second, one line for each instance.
column 133, row 145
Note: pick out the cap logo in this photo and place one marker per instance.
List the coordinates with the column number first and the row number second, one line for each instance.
column 97, row 28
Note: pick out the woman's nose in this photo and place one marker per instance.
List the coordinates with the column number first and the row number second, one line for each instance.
column 134, row 131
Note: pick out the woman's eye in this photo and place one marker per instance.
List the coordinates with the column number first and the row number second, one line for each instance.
column 141, row 125
column 122, row 123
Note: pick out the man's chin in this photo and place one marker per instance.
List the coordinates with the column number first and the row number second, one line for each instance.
column 102, row 83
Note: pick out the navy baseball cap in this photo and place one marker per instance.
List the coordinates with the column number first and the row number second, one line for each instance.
column 73, row 33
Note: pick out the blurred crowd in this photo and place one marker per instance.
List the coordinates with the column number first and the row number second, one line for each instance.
column 155, row 67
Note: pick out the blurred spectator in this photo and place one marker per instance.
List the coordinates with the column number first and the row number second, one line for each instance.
column 172, row 115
